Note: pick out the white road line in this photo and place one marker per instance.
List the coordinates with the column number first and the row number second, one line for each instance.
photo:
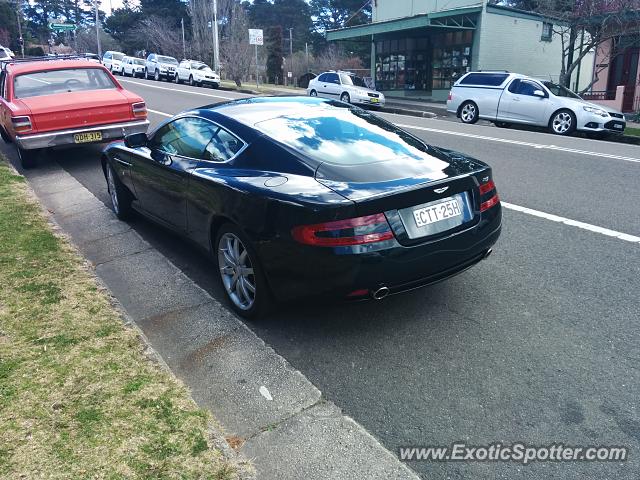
column 178, row 90
column 537, row 213
column 573, row 223
column 159, row 113
column 523, row 144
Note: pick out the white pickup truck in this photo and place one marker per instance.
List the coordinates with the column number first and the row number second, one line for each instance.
column 507, row 98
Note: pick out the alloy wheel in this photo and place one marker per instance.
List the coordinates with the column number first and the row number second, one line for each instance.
column 313, row 93
column 236, row 271
column 562, row 123
column 468, row 112
column 156, row 76
column 344, row 98
column 112, row 190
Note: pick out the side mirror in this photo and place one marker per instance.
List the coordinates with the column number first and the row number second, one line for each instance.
column 539, row 93
column 136, row 140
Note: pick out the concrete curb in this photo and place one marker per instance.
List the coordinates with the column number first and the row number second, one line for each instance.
column 271, row 412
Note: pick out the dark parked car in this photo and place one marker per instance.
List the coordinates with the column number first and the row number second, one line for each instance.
column 304, row 196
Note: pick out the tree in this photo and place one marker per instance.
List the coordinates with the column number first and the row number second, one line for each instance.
column 122, row 25
column 235, row 49
column 8, row 25
column 585, row 25
column 160, row 36
column 273, row 46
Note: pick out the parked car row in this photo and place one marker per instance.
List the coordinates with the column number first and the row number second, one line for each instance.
column 509, row 98
column 162, row 67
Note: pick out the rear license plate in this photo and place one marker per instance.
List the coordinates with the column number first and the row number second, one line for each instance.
column 375, row 100
column 449, row 208
column 87, row 137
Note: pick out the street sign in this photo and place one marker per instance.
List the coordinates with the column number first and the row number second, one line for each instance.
column 62, row 27
column 255, row 36
column 289, row 74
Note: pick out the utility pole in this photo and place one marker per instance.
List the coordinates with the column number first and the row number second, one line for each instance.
column 306, row 53
column 216, row 48
column 19, row 18
column 291, row 51
column 95, row 4
column 184, row 47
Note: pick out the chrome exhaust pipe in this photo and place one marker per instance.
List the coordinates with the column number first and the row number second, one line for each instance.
column 487, row 254
column 380, row 293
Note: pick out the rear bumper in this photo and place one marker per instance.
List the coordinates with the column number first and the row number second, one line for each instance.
column 112, row 131
column 295, row 271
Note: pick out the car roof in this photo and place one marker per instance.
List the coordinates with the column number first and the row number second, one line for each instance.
column 40, row 65
column 250, row 111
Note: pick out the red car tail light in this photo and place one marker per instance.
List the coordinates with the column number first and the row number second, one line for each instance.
column 450, row 97
column 21, row 124
column 494, row 200
column 139, row 109
column 487, row 187
column 354, row 231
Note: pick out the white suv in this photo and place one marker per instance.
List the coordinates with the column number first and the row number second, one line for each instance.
column 346, row 87
column 113, row 61
column 196, row 73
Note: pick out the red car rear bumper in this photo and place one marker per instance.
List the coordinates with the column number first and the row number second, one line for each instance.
column 112, row 131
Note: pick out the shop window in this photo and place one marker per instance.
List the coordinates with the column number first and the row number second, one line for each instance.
column 451, row 58
column 547, row 32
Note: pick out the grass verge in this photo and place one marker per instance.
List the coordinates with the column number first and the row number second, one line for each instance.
column 632, row 131
column 78, row 396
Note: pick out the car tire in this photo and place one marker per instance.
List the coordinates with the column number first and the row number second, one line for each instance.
column 469, row 112
column 191, row 82
column 28, row 158
column 215, row 85
column 345, row 98
column 502, row 124
column 313, row 93
column 120, row 196
column 238, row 286
column 146, row 73
column 177, row 79
column 156, row 75
column 563, row 122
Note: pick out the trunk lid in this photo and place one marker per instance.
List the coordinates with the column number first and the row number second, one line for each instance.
column 78, row 109
column 401, row 182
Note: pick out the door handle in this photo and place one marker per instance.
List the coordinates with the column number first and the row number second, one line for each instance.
column 516, row 99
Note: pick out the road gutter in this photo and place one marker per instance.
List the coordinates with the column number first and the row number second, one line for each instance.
column 272, row 413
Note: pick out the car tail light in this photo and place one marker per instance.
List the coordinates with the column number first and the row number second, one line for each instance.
column 450, row 97
column 485, row 188
column 21, row 124
column 139, row 109
column 354, row 231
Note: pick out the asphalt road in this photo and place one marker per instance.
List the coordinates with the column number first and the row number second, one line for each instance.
column 538, row 344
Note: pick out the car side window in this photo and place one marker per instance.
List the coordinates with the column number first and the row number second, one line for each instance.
column 513, row 87
column 322, row 78
column 223, row 146
column 527, row 88
column 333, row 78
column 186, row 137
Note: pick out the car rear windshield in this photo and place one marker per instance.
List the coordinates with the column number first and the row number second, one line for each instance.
column 487, row 79
column 169, row 60
column 50, row 82
column 117, row 56
column 3, row 54
column 342, row 136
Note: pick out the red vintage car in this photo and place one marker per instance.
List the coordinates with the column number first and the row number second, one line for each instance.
column 47, row 103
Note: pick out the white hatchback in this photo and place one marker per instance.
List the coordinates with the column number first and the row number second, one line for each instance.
column 198, row 73
column 346, row 87
column 113, row 61
column 133, row 67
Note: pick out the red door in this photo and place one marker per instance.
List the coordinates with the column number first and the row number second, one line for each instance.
column 624, row 71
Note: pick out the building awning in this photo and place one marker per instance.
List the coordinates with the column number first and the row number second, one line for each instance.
column 459, row 18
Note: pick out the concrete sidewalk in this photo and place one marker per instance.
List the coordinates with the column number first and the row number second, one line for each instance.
column 270, row 412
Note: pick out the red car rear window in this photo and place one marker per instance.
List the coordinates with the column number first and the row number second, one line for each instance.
column 50, row 82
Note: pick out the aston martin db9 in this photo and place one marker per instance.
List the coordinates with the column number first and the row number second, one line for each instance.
column 296, row 197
